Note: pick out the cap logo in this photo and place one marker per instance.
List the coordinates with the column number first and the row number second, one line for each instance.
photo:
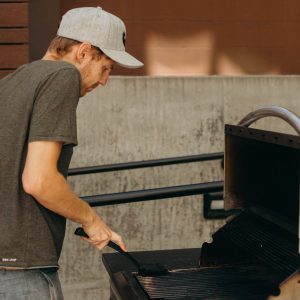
column 124, row 38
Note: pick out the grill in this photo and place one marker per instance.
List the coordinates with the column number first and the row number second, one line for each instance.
column 255, row 255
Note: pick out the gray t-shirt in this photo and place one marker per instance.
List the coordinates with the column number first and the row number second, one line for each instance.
column 37, row 103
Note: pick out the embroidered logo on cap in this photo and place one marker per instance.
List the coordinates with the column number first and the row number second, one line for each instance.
column 124, row 38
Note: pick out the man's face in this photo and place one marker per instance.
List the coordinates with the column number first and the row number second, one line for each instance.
column 95, row 72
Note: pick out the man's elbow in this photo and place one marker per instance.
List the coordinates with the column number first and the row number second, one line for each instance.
column 35, row 185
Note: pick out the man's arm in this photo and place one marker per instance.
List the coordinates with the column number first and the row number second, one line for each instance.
column 44, row 182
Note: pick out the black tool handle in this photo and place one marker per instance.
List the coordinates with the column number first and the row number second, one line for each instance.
column 79, row 231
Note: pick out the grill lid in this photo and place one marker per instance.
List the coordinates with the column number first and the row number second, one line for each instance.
column 262, row 170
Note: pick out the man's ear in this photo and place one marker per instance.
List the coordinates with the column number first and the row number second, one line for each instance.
column 83, row 51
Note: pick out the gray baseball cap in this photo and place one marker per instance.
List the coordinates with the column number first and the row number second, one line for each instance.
column 101, row 29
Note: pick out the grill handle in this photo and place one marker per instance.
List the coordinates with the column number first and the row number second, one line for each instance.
column 272, row 111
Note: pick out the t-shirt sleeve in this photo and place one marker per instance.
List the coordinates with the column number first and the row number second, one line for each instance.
column 53, row 116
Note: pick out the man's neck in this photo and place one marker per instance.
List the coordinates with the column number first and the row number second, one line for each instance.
column 49, row 56
column 52, row 56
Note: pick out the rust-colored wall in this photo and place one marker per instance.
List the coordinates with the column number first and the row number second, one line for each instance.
column 44, row 18
column 194, row 37
column 200, row 37
column 14, row 48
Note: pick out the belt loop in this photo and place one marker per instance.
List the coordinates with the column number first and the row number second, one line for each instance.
column 52, row 290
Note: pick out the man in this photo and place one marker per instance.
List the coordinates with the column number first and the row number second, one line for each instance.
column 38, row 131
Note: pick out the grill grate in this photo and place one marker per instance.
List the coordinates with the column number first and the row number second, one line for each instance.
column 234, row 283
column 265, row 241
column 276, row 257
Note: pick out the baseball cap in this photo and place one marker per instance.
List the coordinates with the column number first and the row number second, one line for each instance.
column 101, row 29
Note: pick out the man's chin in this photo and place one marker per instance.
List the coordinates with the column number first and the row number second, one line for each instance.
column 85, row 91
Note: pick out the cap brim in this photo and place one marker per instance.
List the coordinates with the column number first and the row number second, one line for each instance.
column 123, row 58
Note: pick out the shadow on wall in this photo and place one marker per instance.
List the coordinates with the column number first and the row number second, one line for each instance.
column 207, row 37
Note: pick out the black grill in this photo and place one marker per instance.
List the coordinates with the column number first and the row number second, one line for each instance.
column 254, row 255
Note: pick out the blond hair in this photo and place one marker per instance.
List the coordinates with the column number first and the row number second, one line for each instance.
column 62, row 46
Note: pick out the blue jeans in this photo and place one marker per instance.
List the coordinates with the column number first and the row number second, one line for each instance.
column 34, row 284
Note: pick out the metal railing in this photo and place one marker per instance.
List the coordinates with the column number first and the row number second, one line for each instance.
column 150, row 194
column 145, row 164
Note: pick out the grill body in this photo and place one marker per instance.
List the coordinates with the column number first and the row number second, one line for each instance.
column 255, row 255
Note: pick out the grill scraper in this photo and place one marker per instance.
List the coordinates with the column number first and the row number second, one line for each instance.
column 146, row 270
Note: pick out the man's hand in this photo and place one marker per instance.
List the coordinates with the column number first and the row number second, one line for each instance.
column 100, row 234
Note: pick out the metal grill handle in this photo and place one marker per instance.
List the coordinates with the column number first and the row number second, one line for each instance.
column 272, row 111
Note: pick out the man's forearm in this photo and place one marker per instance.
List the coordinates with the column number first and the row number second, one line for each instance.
column 56, row 195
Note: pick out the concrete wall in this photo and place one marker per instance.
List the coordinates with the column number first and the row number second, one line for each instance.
column 141, row 118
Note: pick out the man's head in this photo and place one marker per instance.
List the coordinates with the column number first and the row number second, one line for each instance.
column 93, row 40
column 100, row 28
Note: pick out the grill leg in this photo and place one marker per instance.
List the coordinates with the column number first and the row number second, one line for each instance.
column 112, row 294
